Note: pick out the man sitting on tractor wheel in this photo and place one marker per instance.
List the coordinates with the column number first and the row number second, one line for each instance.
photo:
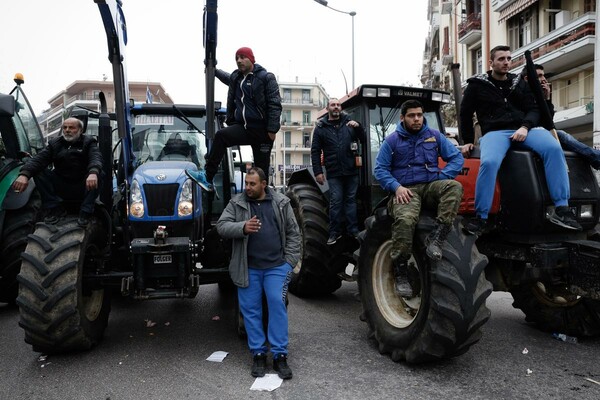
column 407, row 165
column 77, row 165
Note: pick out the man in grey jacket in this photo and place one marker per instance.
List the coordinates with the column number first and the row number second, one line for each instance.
column 265, row 247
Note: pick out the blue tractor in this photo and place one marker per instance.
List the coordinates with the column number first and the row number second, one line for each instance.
column 150, row 237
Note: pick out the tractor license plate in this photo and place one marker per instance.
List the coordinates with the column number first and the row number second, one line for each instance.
column 163, row 259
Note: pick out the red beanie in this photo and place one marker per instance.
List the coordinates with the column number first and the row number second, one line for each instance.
column 246, row 52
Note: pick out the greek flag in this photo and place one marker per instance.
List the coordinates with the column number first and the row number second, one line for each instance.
column 148, row 95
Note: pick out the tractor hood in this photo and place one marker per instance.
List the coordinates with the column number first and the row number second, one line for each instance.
column 157, row 172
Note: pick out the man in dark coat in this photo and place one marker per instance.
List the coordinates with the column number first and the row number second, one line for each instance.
column 77, row 164
column 253, row 116
column 337, row 136
column 509, row 117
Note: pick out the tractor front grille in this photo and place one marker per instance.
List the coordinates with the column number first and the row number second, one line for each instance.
column 161, row 199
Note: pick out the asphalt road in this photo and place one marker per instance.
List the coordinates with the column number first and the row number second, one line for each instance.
column 330, row 354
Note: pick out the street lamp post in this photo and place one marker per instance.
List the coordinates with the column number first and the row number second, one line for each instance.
column 352, row 14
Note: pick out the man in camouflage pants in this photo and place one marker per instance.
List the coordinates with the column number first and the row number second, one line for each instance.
column 407, row 165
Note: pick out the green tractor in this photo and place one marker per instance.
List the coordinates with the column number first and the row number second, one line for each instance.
column 20, row 138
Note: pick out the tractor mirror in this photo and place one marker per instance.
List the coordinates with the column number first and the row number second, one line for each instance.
column 7, row 105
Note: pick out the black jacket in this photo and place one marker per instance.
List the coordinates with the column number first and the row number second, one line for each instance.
column 494, row 111
column 73, row 161
column 262, row 108
column 335, row 144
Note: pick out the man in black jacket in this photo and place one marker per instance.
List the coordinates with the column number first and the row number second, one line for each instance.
column 253, row 116
column 77, row 165
column 567, row 141
column 337, row 136
column 508, row 116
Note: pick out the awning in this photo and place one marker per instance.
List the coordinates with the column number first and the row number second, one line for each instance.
column 514, row 9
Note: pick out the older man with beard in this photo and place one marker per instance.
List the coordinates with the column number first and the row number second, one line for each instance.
column 77, row 165
column 407, row 166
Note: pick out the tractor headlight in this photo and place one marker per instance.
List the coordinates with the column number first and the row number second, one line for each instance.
column 185, row 204
column 136, row 209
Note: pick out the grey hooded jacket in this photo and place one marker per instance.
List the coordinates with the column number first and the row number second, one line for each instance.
column 231, row 226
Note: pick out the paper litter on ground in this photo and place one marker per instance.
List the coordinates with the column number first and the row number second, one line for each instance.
column 217, row 356
column 269, row 382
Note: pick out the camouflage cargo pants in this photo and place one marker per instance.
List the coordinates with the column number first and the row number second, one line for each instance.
column 443, row 196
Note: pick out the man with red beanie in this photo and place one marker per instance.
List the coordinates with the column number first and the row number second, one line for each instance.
column 253, row 116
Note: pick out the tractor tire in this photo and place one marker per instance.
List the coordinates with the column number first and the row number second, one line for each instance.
column 17, row 225
column 316, row 272
column 59, row 312
column 554, row 310
column 445, row 317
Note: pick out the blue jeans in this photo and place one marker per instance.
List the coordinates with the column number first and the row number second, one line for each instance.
column 495, row 144
column 342, row 201
column 274, row 283
column 591, row 155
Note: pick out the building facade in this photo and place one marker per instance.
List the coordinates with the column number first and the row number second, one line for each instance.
column 86, row 94
column 301, row 103
column 560, row 34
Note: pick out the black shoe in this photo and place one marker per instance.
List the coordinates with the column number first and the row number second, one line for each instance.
column 84, row 218
column 476, row 226
column 333, row 239
column 564, row 217
column 401, row 282
column 259, row 365
column 55, row 214
column 435, row 241
column 280, row 365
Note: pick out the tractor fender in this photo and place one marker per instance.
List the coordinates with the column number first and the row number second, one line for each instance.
column 14, row 201
column 307, row 176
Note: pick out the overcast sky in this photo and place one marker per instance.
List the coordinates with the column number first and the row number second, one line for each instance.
column 54, row 43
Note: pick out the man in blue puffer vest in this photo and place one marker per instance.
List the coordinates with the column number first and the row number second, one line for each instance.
column 407, row 165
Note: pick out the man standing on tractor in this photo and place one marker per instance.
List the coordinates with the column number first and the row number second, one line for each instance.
column 265, row 247
column 253, row 116
column 337, row 136
column 407, row 166
column 77, row 165
column 509, row 115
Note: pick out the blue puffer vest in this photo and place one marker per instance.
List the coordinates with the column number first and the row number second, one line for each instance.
column 415, row 156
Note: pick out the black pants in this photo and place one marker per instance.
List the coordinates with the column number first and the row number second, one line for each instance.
column 238, row 135
column 55, row 190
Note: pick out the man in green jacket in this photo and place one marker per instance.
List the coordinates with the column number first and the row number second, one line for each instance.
column 265, row 247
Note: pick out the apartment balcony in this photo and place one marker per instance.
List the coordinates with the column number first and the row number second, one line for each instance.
column 469, row 31
column 301, row 102
column 567, row 47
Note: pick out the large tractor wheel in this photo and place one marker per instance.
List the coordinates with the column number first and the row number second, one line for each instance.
column 445, row 317
column 17, row 225
column 316, row 273
column 59, row 310
column 553, row 309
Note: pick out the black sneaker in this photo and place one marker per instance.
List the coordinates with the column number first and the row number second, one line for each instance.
column 280, row 365
column 564, row 217
column 54, row 215
column 259, row 365
column 84, row 218
column 475, row 226
column 333, row 239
